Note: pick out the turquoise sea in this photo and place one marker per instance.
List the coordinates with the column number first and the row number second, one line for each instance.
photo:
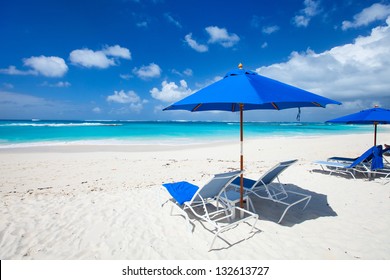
column 14, row 133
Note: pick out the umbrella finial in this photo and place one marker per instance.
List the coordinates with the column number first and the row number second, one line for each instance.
column 240, row 66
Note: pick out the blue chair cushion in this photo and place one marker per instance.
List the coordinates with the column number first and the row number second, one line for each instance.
column 181, row 191
column 377, row 161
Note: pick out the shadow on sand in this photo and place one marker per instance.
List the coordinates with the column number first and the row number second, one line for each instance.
column 272, row 211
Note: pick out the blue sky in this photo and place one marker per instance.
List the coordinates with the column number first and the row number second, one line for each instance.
column 128, row 59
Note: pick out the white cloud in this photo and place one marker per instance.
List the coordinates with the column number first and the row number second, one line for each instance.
column 195, row 45
column 270, row 29
column 264, row 45
column 171, row 92
column 221, row 36
column 99, row 59
column 11, row 70
column 301, row 20
column 89, row 58
column 147, row 72
column 117, row 51
column 136, row 107
column 126, row 76
column 311, row 9
column 135, row 104
column 375, row 12
column 49, row 66
column 356, row 71
column 123, row 97
column 187, row 72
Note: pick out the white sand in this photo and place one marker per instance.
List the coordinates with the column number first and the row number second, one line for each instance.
column 101, row 202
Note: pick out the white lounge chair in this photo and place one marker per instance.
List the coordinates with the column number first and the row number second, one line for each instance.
column 204, row 202
column 266, row 188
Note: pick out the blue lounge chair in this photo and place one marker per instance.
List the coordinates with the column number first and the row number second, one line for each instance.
column 369, row 163
column 204, row 202
column 266, row 188
column 385, row 151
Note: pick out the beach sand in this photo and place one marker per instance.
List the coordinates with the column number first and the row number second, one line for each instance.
column 104, row 202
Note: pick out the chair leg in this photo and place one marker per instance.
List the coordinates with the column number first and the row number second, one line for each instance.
column 215, row 237
column 284, row 213
column 288, row 207
column 250, row 204
column 185, row 216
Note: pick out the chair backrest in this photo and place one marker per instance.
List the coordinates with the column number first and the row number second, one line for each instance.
column 274, row 172
column 367, row 154
column 216, row 185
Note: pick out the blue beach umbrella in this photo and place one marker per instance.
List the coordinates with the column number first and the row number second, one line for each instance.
column 373, row 116
column 242, row 90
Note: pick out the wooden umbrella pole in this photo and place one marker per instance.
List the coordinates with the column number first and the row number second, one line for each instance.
column 241, row 155
column 375, row 129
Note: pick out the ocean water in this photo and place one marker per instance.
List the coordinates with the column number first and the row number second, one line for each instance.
column 20, row 133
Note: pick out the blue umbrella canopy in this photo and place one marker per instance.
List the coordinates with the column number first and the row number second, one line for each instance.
column 253, row 91
column 241, row 90
column 373, row 116
column 368, row 116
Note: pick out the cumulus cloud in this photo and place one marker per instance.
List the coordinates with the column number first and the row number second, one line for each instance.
column 195, row 45
column 117, row 51
column 132, row 99
column 311, row 9
column 89, row 58
column 373, row 13
column 216, row 36
column 356, row 71
column 49, row 66
column 171, row 92
column 222, row 36
column 146, row 72
column 104, row 58
column 123, row 97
